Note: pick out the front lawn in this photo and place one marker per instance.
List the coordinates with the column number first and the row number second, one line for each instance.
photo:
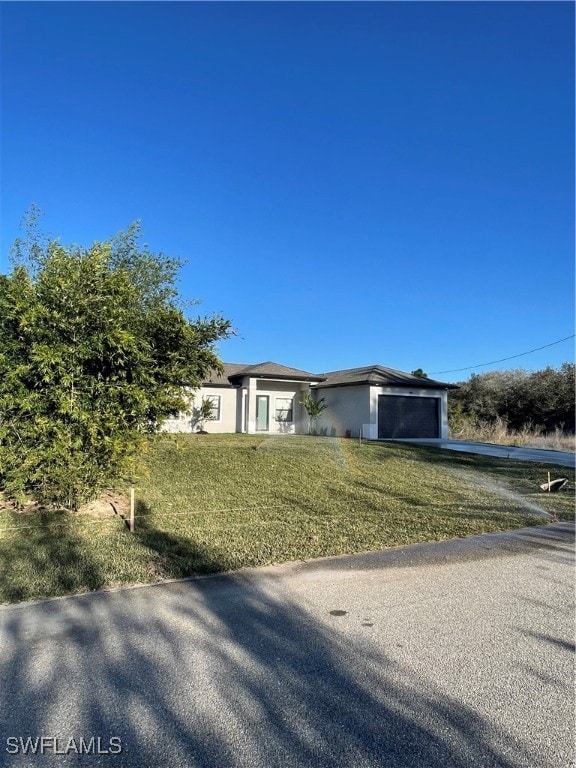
column 213, row 503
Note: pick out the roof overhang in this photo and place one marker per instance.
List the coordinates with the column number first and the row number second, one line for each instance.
column 273, row 377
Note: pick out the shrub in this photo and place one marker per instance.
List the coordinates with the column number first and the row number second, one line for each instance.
column 94, row 353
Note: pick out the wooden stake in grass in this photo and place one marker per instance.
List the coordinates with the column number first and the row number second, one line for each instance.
column 549, row 485
column 131, row 528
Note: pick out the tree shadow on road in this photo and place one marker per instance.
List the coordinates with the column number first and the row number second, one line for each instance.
column 226, row 672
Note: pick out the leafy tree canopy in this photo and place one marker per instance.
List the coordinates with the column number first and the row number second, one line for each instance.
column 95, row 350
column 542, row 398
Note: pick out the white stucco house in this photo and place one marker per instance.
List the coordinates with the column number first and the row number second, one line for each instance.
column 266, row 398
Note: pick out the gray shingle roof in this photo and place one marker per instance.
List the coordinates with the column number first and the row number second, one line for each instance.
column 223, row 380
column 378, row 375
column 267, row 370
column 270, row 370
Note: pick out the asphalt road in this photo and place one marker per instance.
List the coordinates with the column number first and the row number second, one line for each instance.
column 435, row 655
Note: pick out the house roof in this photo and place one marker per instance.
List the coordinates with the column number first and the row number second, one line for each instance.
column 267, row 370
column 270, row 370
column 223, row 379
column 378, row 375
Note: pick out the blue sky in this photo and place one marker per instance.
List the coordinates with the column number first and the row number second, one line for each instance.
column 351, row 183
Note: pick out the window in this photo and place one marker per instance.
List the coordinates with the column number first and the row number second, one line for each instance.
column 214, row 400
column 284, row 409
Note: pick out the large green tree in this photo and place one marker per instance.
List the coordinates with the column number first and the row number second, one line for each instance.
column 95, row 350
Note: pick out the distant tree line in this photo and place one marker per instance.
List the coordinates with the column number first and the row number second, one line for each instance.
column 540, row 399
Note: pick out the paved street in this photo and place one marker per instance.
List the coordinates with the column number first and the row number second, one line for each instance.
column 435, row 655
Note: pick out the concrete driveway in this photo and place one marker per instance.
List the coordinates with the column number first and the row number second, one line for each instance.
column 562, row 458
column 435, row 655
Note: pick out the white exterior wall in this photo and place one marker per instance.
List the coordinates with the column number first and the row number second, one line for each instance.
column 238, row 408
column 181, row 422
column 442, row 395
column 294, row 390
column 228, row 408
column 346, row 408
column 187, row 420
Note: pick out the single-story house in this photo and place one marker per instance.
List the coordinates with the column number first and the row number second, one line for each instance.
column 266, row 398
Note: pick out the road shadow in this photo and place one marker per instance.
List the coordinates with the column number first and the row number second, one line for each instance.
column 224, row 672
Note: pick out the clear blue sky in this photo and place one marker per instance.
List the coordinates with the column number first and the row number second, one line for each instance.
column 352, row 183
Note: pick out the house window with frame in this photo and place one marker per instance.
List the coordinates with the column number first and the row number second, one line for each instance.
column 214, row 400
column 284, row 409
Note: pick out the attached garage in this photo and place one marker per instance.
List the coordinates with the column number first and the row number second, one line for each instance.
column 405, row 417
column 382, row 404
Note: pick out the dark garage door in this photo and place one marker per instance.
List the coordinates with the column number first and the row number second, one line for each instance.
column 408, row 416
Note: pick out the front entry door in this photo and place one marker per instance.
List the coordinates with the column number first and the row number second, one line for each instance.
column 262, row 413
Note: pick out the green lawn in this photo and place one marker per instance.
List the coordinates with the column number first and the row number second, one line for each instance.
column 219, row 502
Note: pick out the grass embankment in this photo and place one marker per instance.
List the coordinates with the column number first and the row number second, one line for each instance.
column 220, row 502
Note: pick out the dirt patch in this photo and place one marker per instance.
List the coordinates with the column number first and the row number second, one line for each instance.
column 7, row 505
column 108, row 504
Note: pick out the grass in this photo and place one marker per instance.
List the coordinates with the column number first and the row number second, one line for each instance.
column 220, row 502
column 499, row 432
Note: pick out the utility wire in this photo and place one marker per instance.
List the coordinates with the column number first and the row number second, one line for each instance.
column 502, row 359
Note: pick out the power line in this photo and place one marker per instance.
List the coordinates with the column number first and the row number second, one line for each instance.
column 503, row 359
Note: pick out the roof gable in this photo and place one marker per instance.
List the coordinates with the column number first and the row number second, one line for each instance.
column 233, row 372
column 378, row 375
column 271, row 370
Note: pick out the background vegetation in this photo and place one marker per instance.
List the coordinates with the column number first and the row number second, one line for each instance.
column 515, row 404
